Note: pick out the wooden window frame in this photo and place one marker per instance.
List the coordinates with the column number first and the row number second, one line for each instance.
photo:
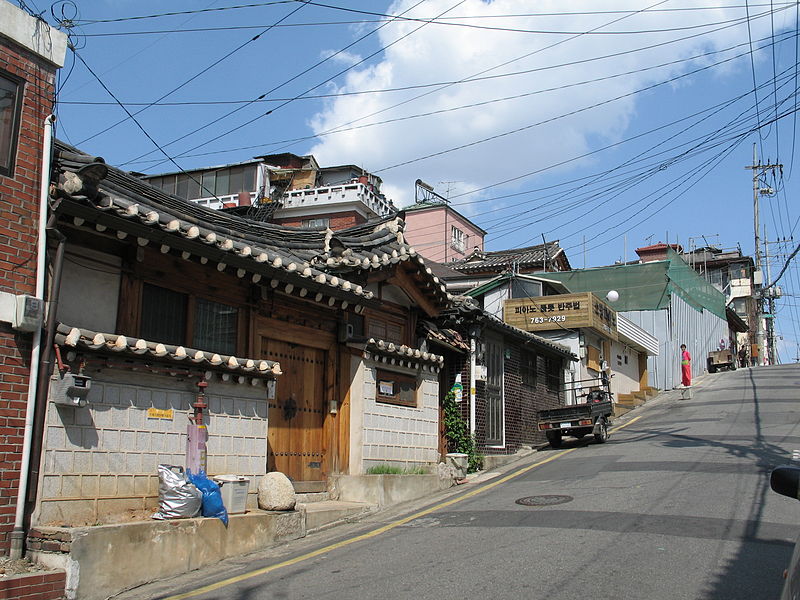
column 11, row 137
column 190, row 317
column 388, row 319
column 528, row 373
column 593, row 357
column 384, row 376
column 554, row 374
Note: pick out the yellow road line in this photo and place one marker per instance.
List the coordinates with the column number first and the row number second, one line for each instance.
column 376, row 532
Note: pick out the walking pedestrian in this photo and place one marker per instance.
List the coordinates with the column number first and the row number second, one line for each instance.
column 686, row 366
column 742, row 357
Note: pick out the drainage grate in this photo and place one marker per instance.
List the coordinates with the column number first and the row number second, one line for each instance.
column 549, row 500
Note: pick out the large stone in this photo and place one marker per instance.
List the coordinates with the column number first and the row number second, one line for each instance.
column 275, row 492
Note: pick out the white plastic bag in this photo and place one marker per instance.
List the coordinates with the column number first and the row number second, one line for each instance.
column 178, row 498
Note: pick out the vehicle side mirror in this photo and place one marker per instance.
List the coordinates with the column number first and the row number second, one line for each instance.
column 786, row 481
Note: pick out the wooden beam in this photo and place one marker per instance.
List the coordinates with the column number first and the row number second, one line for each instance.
column 402, row 279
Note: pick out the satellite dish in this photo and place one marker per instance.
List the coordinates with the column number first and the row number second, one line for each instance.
column 612, row 295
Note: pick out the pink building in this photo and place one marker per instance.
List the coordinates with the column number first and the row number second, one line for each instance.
column 440, row 233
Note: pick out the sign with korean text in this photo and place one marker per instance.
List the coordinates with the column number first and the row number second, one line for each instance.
column 563, row 311
column 160, row 413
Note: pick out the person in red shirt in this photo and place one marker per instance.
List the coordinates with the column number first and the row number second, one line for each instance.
column 686, row 366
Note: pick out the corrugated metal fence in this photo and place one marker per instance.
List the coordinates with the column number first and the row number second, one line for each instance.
column 679, row 323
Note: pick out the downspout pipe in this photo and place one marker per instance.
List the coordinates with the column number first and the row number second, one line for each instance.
column 45, row 369
column 17, row 536
column 472, row 350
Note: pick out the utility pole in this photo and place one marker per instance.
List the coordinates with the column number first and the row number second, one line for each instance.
column 758, row 277
column 770, row 297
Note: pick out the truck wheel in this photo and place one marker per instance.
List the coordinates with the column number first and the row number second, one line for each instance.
column 554, row 438
column 602, row 437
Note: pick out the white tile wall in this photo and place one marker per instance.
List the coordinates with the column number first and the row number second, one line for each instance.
column 392, row 433
column 102, row 449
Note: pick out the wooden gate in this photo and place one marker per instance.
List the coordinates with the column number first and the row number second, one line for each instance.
column 295, row 434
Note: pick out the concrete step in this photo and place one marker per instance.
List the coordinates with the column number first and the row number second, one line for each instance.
column 326, row 513
column 307, row 487
column 651, row 392
column 629, row 400
column 621, row 409
column 309, row 497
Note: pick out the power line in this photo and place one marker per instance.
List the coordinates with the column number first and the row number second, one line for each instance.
column 561, row 116
column 331, row 78
column 442, row 22
column 139, row 125
column 196, row 75
column 488, row 102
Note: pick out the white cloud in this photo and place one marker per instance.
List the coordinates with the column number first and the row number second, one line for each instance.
column 438, row 53
column 341, row 57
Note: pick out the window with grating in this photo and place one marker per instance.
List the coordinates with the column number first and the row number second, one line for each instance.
column 163, row 315
column 527, row 368
column 215, row 327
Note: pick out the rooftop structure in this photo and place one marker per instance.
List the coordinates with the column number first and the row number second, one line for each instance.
column 286, row 188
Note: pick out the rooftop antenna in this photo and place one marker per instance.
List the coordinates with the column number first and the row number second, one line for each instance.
column 449, row 184
column 423, row 192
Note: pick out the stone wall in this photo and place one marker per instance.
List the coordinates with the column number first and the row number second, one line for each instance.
column 101, row 460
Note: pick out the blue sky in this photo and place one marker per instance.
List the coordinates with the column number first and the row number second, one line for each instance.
column 607, row 125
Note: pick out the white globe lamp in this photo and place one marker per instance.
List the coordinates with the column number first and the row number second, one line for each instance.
column 612, row 295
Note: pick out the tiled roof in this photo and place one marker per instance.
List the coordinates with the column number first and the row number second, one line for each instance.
column 110, row 343
column 449, row 338
column 401, row 355
column 303, row 262
column 502, row 259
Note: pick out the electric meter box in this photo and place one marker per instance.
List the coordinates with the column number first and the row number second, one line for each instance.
column 29, row 313
column 70, row 389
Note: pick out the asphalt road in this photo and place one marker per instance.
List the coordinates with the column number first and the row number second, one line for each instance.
column 676, row 505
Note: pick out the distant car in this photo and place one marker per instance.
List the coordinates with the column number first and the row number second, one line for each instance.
column 786, row 481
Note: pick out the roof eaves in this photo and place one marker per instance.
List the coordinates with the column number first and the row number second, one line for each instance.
column 110, row 343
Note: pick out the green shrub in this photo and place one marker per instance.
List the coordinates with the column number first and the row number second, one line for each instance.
column 457, row 434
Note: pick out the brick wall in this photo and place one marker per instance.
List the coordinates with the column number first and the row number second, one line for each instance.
column 34, row 586
column 19, row 198
column 521, row 404
column 341, row 220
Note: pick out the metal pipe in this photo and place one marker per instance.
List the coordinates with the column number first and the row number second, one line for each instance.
column 17, row 536
column 45, row 368
column 472, row 350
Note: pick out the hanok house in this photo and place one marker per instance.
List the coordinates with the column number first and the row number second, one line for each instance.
column 480, row 267
column 306, row 341
column 508, row 375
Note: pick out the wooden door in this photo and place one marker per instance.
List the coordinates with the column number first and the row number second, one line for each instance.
column 295, row 436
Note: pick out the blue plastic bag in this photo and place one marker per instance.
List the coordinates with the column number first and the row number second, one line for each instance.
column 212, row 497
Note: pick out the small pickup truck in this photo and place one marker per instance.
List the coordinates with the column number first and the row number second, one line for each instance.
column 578, row 420
column 721, row 359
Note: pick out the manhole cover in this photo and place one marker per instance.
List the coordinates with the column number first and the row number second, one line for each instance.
column 549, row 500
